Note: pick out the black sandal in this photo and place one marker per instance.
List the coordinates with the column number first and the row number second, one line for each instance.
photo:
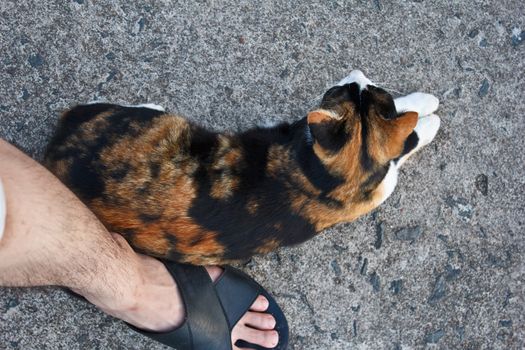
column 212, row 309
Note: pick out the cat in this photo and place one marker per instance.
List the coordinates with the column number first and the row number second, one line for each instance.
column 178, row 191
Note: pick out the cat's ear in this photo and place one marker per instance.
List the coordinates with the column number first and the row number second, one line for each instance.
column 327, row 130
column 397, row 131
column 405, row 123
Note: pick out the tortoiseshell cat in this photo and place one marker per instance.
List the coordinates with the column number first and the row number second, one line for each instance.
column 176, row 190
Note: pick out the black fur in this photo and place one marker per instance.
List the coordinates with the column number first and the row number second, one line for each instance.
column 251, row 230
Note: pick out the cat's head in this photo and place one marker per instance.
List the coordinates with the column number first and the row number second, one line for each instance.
column 357, row 128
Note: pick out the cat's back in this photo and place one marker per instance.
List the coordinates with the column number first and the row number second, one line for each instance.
column 99, row 146
column 140, row 171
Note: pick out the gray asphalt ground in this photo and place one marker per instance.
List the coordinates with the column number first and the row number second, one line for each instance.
column 440, row 265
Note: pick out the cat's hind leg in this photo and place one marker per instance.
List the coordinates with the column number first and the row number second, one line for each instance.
column 144, row 105
column 425, row 131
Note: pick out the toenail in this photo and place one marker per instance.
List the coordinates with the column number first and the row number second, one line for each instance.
column 271, row 338
column 265, row 302
column 276, row 338
column 270, row 321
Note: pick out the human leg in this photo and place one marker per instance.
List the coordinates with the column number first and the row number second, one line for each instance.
column 51, row 238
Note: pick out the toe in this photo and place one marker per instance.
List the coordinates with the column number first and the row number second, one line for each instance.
column 259, row 320
column 260, row 304
column 257, row 327
column 267, row 339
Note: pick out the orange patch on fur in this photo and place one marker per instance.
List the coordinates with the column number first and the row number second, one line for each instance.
column 267, row 246
column 151, row 243
column 232, row 158
column 320, row 116
column 252, row 206
column 196, row 245
column 223, row 188
column 388, row 137
column 191, row 240
column 227, row 158
column 277, row 158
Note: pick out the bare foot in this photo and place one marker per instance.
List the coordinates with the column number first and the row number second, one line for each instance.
column 156, row 304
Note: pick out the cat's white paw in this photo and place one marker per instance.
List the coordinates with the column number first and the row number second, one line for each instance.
column 427, row 128
column 144, row 105
column 151, row 106
column 356, row 76
column 423, row 104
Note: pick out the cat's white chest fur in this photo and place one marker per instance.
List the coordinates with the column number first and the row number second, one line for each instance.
column 389, row 183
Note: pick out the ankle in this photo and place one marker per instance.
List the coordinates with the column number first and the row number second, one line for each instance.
column 153, row 302
column 120, row 294
column 116, row 285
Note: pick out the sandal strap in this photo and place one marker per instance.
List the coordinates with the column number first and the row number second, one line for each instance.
column 237, row 292
column 205, row 326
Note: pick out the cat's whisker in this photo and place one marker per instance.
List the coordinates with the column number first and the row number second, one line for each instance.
column 396, row 91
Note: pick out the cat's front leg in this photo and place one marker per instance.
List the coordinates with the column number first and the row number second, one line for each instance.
column 427, row 125
column 425, row 131
column 423, row 104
